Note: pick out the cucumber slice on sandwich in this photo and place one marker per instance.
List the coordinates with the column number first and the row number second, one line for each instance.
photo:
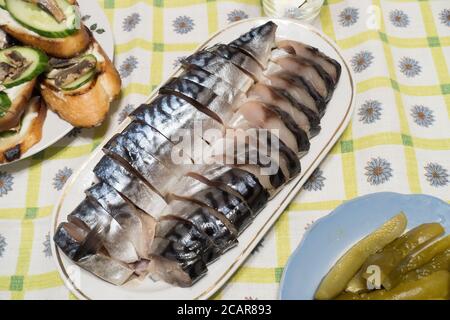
column 69, row 75
column 62, row 20
column 20, row 65
column 88, row 77
column 5, row 104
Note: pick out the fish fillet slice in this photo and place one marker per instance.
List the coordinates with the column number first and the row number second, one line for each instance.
column 257, row 114
column 69, row 238
column 187, row 239
column 139, row 226
column 258, row 42
column 211, row 223
column 330, row 65
column 258, row 141
column 218, row 86
column 146, row 166
column 301, row 94
column 203, row 98
column 159, row 146
column 106, row 268
column 307, row 120
column 115, row 240
column 129, row 185
column 165, row 266
column 180, row 122
column 236, row 181
column 239, row 59
column 309, row 72
column 221, row 68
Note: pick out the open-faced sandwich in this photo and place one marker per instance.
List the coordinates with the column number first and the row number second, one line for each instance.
column 53, row 26
column 21, row 119
column 81, row 89
column 45, row 50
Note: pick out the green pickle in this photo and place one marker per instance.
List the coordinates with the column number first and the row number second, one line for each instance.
column 438, row 263
column 417, row 260
column 344, row 269
column 435, row 286
column 393, row 254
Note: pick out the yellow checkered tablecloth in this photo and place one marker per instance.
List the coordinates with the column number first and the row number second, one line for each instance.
column 398, row 140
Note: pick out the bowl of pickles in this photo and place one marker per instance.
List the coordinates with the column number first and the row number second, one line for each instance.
column 383, row 246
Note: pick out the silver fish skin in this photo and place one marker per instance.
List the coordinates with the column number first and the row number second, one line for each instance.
column 203, row 98
column 236, row 181
column 188, row 242
column 90, row 214
column 129, row 185
column 180, row 122
column 68, row 237
column 139, row 226
column 267, row 169
column 197, row 94
column 235, row 210
column 187, row 186
column 239, row 59
column 156, row 144
column 258, row 42
column 115, row 240
column 106, row 268
column 210, row 222
column 150, row 169
column 221, row 68
column 218, row 86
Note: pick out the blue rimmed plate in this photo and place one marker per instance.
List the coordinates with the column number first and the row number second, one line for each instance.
column 330, row 237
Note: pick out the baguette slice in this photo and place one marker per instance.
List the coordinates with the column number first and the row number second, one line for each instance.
column 86, row 107
column 66, row 47
column 12, row 147
column 18, row 106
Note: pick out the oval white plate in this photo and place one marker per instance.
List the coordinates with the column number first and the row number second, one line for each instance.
column 86, row 286
column 330, row 237
column 54, row 127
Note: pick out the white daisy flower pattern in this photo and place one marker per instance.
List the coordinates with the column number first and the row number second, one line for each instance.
column 399, row 18
column 349, row 16
column 436, row 175
column 378, row 171
column 422, row 116
column 183, row 24
column 6, row 183
column 410, row 67
column 61, row 178
column 361, row 61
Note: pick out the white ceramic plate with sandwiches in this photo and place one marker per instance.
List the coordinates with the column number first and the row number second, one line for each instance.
column 54, row 127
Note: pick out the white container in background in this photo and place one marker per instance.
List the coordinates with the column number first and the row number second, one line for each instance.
column 304, row 10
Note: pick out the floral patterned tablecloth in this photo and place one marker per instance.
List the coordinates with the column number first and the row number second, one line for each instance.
column 398, row 140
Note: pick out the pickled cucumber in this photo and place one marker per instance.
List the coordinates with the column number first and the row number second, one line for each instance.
column 438, row 263
column 417, row 260
column 432, row 287
column 393, row 254
column 346, row 267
